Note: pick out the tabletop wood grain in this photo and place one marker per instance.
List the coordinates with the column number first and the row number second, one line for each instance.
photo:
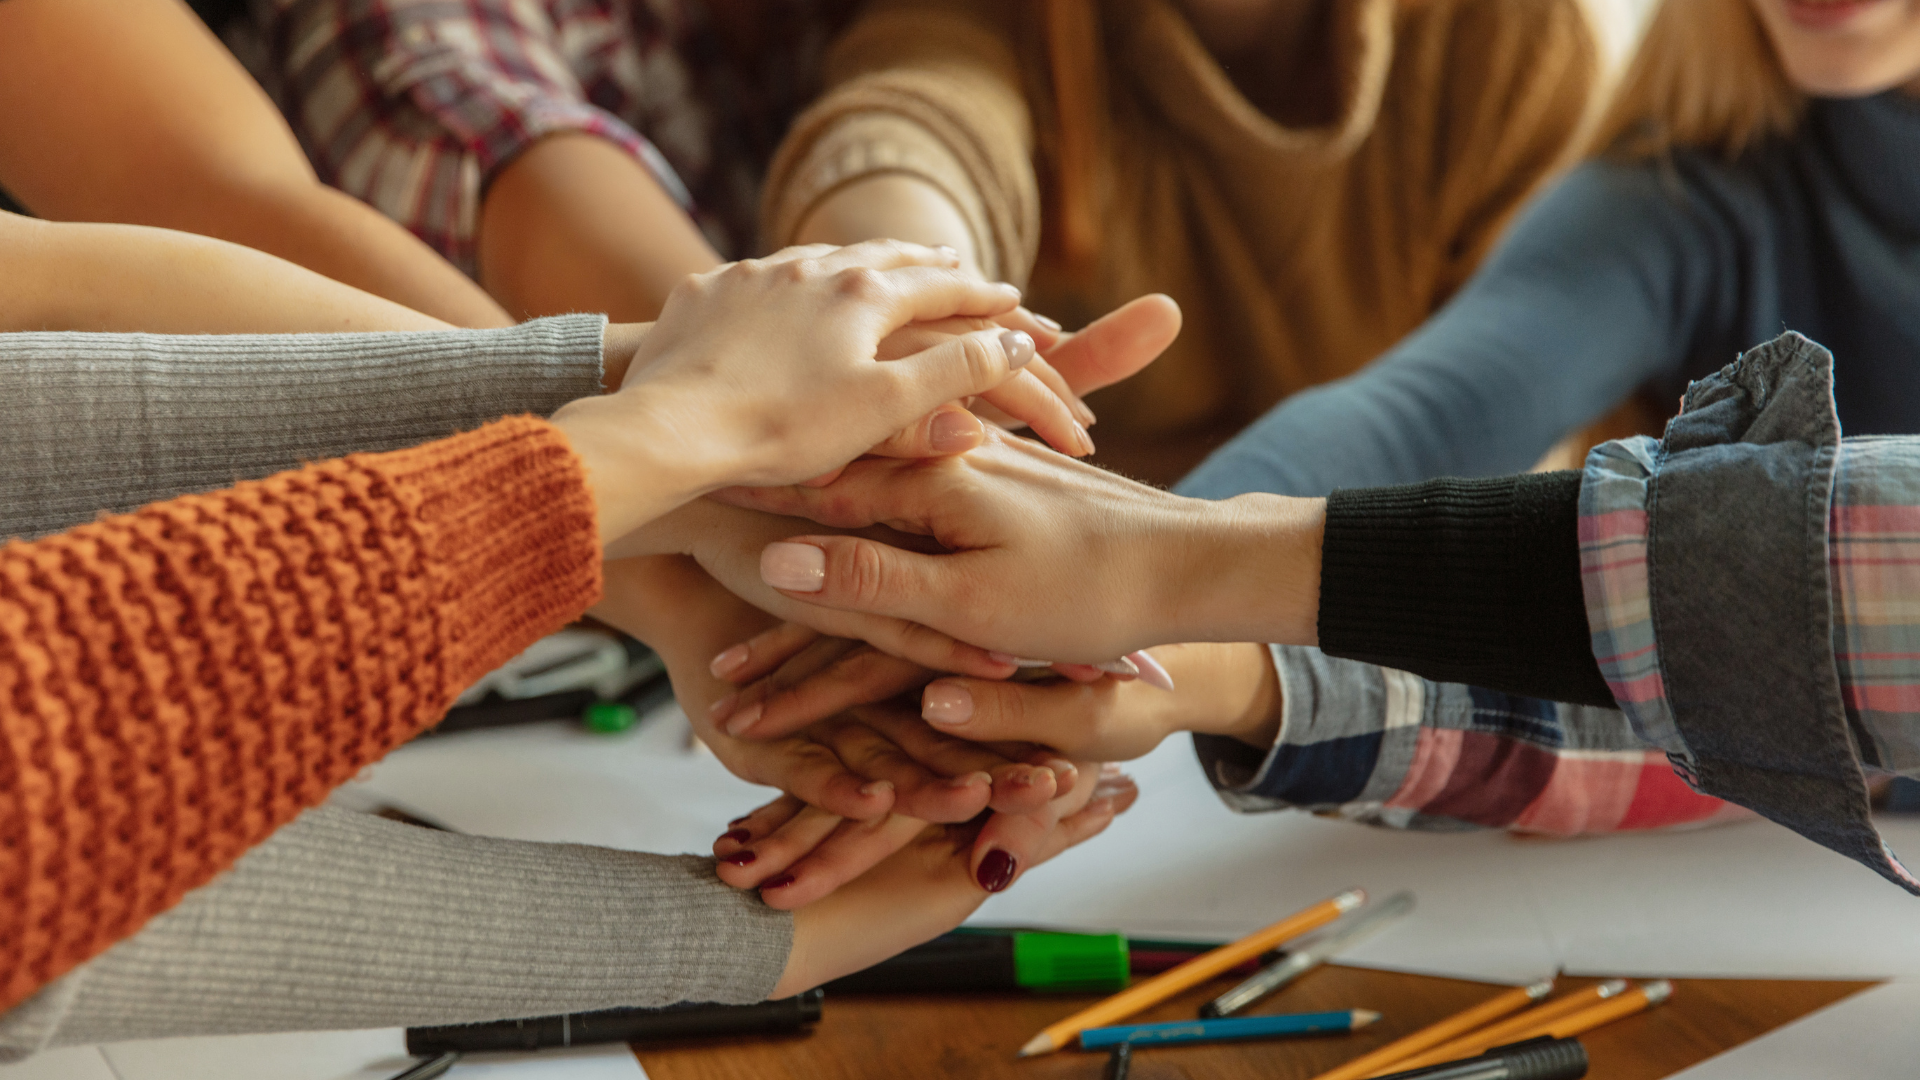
column 975, row 1035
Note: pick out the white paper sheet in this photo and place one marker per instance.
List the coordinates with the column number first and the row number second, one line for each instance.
column 348, row 1055
column 72, row 1063
column 1869, row 1036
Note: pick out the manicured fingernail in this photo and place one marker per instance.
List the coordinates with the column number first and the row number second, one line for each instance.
column 1044, row 321
column 794, row 567
column 1063, row 770
column 996, row 871
column 738, row 724
column 973, row 779
column 1082, row 413
column 1086, row 440
column 953, row 432
column 1017, row 661
column 723, row 708
column 1122, row 666
column 876, row 787
column 945, row 703
column 739, row 858
column 950, row 254
column 730, row 661
column 1151, row 672
column 1018, row 346
column 780, row 882
column 738, row 836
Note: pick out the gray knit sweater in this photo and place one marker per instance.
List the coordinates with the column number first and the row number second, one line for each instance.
column 342, row 920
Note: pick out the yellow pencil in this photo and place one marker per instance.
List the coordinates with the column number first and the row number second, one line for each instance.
column 1192, row 973
column 1420, row 1041
column 1508, row 1030
column 1642, row 997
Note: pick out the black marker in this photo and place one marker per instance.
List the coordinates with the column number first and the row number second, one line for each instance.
column 1543, row 1058
column 618, row 1025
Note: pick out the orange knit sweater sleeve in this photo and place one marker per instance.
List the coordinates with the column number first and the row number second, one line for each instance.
column 178, row 682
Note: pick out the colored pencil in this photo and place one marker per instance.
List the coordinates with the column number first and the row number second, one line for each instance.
column 1509, row 1030
column 1227, row 1028
column 1421, row 1041
column 1192, row 973
column 1639, row 999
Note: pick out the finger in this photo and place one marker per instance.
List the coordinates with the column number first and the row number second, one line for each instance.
column 1109, row 801
column 1057, row 383
column 946, row 431
column 851, row 573
column 1045, row 332
column 1028, row 400
column 739, row 712
column 962, row 367
column 808, row 771
column 931, row 797
column 1014, row 769
column 762, row 653
column 1062, row 715
column 824, row 478
column 1118, row 344
column 861, row 676
column 887, row 255
column 1008, row 843
column 849, row 851
column 798, row 252
column 925, row 293
column 1080, row 673
column 758, row 822
column 768, row 855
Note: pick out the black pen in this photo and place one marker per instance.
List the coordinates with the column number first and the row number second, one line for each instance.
column 618, row 1025
column 1544, row 1058
column 1120, row 1062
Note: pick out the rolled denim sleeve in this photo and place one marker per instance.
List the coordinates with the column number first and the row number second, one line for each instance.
column 1744, row 580
column 1386, row 747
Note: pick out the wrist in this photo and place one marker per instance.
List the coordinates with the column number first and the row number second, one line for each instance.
column 618, row 438
column 1245, row 569
column 617, row 347
column 1231, row 689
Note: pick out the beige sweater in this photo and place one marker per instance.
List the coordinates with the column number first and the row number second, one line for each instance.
column 1298, row 252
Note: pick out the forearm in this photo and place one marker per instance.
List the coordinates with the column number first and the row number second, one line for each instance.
column 341, row 920
column 64, row 276
column 892, row 206
column 576, row 224
column 111, row 422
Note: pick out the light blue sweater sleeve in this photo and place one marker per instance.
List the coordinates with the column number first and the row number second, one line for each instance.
column 1598, row 287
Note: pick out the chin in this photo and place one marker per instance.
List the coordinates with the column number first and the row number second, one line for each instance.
column 1844, row 48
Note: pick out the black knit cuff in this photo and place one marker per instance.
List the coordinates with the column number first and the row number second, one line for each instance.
column 1463, row 581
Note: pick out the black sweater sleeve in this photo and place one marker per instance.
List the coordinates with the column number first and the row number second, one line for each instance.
column 1465, row 581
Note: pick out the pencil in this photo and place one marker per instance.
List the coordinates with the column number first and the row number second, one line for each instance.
column 1192, row 973
column 1421, row 1041
column 1640, row 998
column 1509, row 1030
column 1225, row 1029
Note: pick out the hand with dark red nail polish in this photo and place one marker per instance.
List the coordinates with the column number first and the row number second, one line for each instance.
column 780, row 882
column 738, row 836
column 996, row 871
column 739, row 858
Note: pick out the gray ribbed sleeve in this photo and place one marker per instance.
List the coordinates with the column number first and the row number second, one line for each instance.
column 110, row 422
column 344, row 920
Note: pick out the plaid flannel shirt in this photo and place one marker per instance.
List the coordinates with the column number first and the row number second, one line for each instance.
column 415, row 105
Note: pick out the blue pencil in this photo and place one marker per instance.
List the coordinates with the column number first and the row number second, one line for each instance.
column 1233, row 1027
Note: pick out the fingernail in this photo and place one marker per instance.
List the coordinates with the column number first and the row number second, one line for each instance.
column 723, row 708
column 794, row 567
column 1044, row 321
column 739, row 858
column 877, row 787
column 1122, row 666
column 1018, row 347
column 738, row 836
column 1023, row 777
column 744, row 719
column 780, row 882
column 1086, row 440
column 1017, row 661
column 953, row 432
column 996, row 871
column 1063, row 770
column 730, row 661
column 1151, row 672
column 973, row 779
column 945, row 703
column 1085, row 415
column 1109, row 770
column 952, row 255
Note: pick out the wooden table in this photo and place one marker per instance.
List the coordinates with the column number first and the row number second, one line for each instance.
column 974, row 1036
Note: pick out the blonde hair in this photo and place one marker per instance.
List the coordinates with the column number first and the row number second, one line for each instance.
column 1705, row 76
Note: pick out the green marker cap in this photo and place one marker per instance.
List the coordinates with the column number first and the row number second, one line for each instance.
column 609, row 717
column 1070, row 961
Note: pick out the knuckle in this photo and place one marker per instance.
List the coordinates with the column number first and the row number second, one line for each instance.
column 864, row 577
column 861, row 283
column 981, row 362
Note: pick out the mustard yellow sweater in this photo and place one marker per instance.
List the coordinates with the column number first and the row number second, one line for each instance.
column 1297, row 252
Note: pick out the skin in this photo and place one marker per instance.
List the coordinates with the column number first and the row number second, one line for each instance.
column 1845, row 48
column 130, row 111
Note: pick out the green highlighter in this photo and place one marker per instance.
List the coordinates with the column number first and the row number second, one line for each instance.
column 1030, row 960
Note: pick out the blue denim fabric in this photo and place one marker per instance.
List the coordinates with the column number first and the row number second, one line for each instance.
column 1740, row 599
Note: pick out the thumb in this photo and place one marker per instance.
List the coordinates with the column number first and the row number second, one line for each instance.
column 963, row 366
column 851, row 573
column 950, row 429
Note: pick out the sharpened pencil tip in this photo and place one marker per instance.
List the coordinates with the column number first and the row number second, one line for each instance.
column 1039, row 1044
column 1350, row 899
column 1363, row 1017
column 1541, row 989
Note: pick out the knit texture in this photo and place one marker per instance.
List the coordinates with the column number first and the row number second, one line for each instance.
column 343, row 920
column 115, row 421
column 183, row 680
column 1298, row 249
column 1465, row 581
